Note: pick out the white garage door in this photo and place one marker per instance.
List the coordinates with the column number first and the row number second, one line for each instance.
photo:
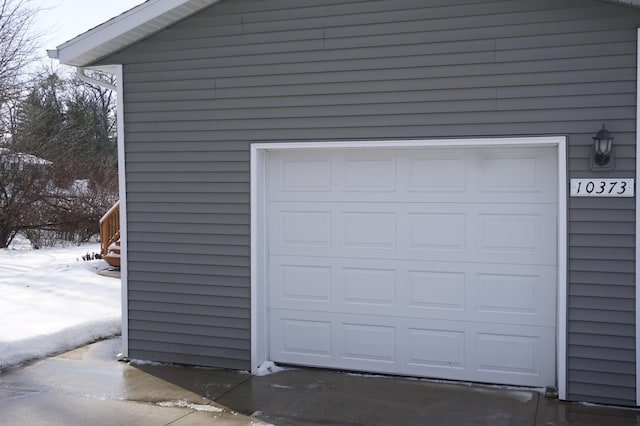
column 430, row 262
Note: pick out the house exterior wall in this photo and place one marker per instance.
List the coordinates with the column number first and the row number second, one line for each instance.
column 197, row 94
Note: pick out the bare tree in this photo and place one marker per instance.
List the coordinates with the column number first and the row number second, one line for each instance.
column 17, row 53
column 18, row 41
column 70, row 128
column 23, row 179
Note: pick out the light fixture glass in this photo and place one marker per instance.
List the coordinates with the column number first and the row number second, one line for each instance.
column 602, row 142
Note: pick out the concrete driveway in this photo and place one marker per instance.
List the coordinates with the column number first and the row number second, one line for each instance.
column 88, row 386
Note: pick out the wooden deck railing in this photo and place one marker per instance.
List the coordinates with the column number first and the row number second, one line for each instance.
column 110, row 228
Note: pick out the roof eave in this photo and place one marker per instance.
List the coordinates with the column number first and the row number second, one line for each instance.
column 143, row 21
column 629, row 3
column 124, row 30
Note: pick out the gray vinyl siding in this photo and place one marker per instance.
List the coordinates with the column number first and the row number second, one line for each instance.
column 200, row 92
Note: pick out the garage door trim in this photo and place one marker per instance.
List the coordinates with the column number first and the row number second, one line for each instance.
column 259, row 323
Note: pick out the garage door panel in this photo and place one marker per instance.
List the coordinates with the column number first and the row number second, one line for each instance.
column 519, row 297
column 462, row 350
column 430, row 262
column 515, row 294
column 444, row 172
column 520, row 175
column 368, row 286
column 436, row 348
column 353, row 344
column 354, row 229
column 508, row 173
column 485, row 293
column 305, row 228
column 519, row 233
column 297, row 173
column 303, row 282
column 516, row 352
column 334, row 284
column 444, row 232
column 456, row 350
column 308, row 338
column 436, row 290
column 506, row 353
column 365, row 342
column 375, row 172
column 519, row 172
column 413, row 196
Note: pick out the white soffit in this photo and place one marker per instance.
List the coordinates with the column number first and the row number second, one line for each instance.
column 125, row 29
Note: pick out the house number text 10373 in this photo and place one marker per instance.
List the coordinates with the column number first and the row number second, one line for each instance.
column 602, row 187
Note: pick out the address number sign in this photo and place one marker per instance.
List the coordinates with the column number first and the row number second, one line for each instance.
column 602, row 187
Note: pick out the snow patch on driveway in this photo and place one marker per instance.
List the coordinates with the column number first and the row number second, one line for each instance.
column 52, row 301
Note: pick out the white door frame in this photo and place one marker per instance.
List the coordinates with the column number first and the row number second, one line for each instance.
column 259, row 273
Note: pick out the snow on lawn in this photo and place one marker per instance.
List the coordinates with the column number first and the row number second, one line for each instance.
column 52, row 301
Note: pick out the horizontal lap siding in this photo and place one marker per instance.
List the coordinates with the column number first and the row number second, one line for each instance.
column 602, row 298
column 198, row 93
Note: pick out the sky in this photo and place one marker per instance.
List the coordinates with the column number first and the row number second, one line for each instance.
column 53, row 301
column 62, row 20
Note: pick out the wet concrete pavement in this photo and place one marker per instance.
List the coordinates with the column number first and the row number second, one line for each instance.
column 88, row 386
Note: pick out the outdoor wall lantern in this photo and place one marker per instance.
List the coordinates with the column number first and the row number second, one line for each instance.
column 601, row 159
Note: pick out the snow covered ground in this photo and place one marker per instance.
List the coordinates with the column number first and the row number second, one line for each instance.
column 52, row 301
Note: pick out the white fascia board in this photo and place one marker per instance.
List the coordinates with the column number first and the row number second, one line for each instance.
column 126, row 29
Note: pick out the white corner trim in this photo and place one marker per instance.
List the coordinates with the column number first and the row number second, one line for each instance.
column 259, row 153
column 637, row 218
column 122, row 188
